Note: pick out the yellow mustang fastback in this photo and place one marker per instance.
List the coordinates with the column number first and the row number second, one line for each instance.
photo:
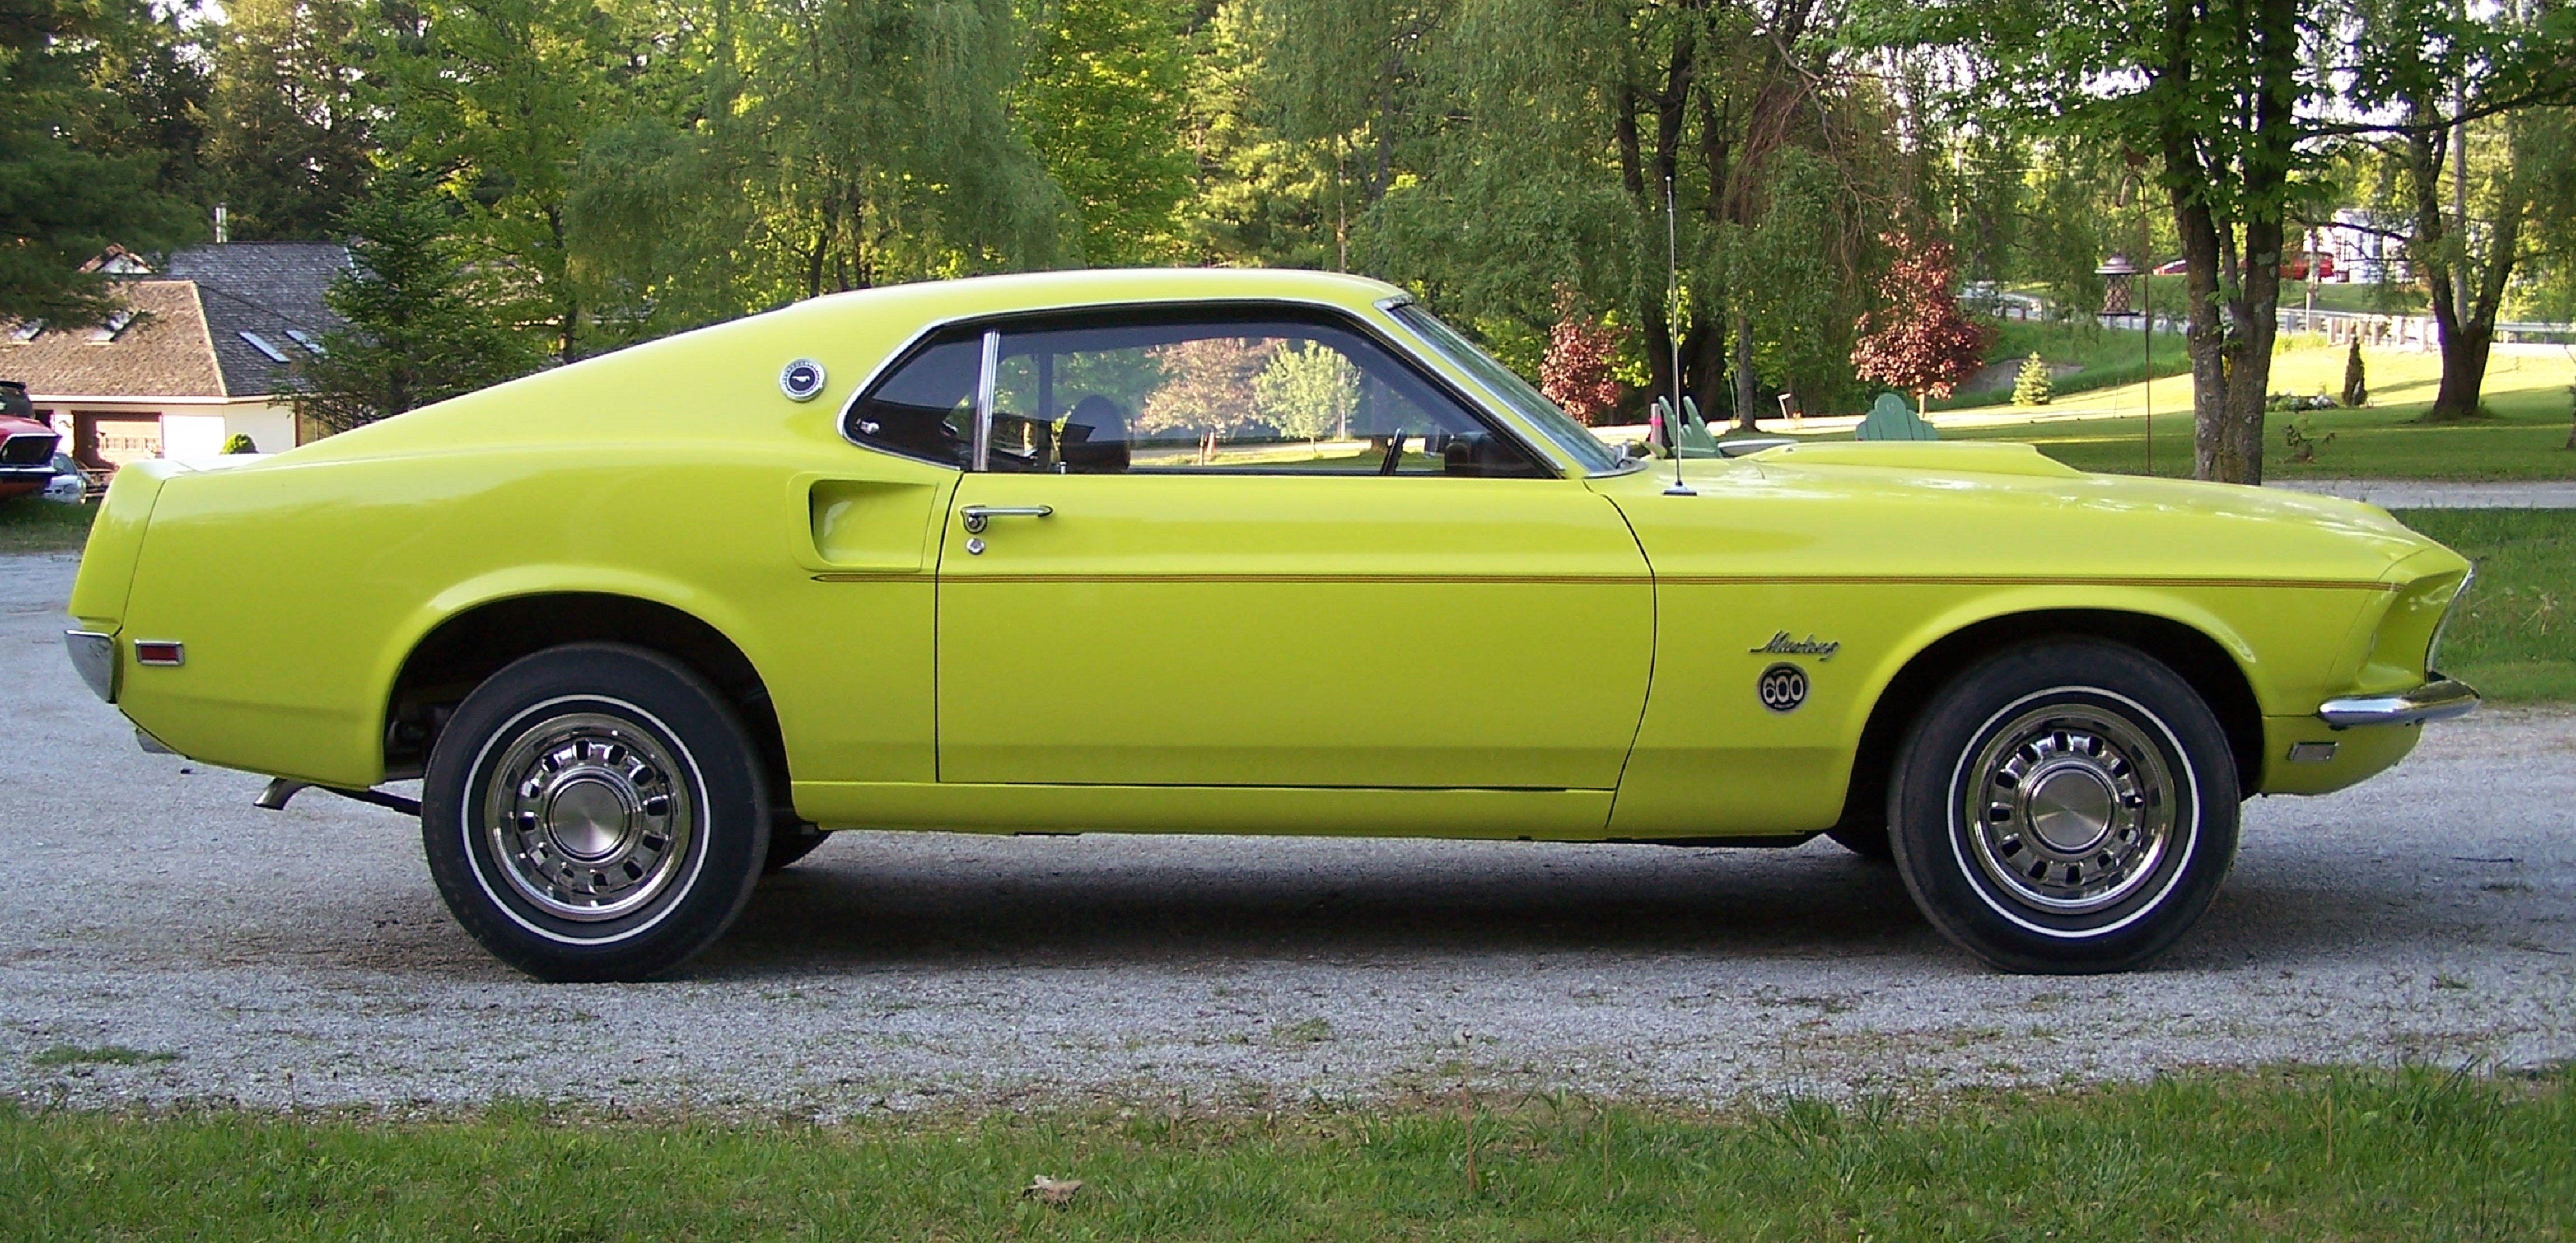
column 1233, row 551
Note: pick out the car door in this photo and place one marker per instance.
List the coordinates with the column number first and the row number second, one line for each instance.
column 1256, row 547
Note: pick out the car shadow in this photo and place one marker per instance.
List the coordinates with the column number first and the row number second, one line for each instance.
column 1054, row 901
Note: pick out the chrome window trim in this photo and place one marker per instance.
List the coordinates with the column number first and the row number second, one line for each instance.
column 985, row 375
column 1408, row 349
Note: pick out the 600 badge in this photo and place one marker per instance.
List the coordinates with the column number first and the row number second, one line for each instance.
column 1782, row 688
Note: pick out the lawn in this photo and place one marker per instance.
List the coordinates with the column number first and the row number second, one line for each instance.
column 31, row 525
column 2109, row 357
column 2347, row 1155
column 2515, row 636
column 2527, row 438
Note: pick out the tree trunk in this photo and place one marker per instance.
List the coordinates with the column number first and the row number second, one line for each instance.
column 1748, row 393
column 2234, row 288
column 1704, row 367
column 2464, row 367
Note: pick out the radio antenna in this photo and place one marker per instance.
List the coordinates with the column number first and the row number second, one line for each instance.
column 1673, row 331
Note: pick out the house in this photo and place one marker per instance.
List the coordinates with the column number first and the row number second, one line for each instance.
column 194, row 354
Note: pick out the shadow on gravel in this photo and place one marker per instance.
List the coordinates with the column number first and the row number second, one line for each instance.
column 873, row 908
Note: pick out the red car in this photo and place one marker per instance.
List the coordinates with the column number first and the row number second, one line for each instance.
column 26, row 444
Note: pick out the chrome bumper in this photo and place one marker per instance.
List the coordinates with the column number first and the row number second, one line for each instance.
column 94, row 656
column 2437, row 700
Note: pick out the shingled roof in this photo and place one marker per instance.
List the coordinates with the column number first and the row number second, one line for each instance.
column 272, row 289
column 185, row 339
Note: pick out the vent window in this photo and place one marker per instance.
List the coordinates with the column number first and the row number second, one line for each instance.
column 311, row 343
column 26, row 331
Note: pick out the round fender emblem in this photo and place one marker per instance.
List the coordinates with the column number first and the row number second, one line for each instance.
column 1782, row 688
column 801, row 379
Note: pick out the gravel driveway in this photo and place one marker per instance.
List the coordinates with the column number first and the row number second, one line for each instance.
column 302, row 956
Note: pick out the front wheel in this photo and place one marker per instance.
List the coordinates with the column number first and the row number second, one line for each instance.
column 2065, row 807
column 595, row 812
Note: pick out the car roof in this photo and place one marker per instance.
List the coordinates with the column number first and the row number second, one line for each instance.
column 1039, row 291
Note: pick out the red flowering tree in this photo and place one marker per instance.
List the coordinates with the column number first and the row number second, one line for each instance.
column 1918, row 341
column 1576, row 372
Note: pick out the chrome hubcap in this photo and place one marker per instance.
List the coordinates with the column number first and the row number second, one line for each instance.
column 2072, row 809
column 586, row 816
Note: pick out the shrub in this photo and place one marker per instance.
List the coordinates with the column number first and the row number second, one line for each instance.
column 2030, row 388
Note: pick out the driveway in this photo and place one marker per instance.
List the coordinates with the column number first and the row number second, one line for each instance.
column 303, row 957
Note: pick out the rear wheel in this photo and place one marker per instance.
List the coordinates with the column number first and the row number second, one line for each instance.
column 595, row 812
column 2067, row 807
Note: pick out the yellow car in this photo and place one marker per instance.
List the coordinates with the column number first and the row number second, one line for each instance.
column 1241, row 552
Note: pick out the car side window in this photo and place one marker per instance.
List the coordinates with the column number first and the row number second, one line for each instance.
column 1255, row 395
column 925, row 407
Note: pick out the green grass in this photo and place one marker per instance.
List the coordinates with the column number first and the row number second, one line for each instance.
column 2109, row 357
column 28, row 524
column 2352, row 1155
column 2515, row 636
column 2527, row 438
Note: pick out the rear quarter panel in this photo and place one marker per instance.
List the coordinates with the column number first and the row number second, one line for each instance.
column 675, row 473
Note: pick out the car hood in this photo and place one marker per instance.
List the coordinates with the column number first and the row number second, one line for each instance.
column 1995, row 508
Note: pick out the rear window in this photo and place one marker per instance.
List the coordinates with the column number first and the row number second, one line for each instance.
column 925, row 407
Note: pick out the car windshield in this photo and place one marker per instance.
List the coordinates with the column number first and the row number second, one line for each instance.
column 1509, row 388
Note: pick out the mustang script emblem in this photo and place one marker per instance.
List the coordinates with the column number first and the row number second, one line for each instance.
column 1782, row 645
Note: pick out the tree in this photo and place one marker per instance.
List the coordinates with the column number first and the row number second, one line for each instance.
column 414, row 335
column 2031, row 386
column 1207, row 386
column 2222, row 97
column 789, row 148
column 1257, row 196
column 2464, row 81
column 287, row 138
column 1917, row 341
column 1101, row 100
column 1307, row 390
column 1578, row 372
column 66, row 190
column 1501, row 148
column 494, row 98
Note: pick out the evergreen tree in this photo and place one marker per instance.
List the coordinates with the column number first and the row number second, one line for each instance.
column 1257, row 196
column 71, row 181
column 287, row 145
column 2030, row 387
column 414, row 336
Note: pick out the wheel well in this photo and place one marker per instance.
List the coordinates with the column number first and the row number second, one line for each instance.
column 465, row 649
column 2196, row 657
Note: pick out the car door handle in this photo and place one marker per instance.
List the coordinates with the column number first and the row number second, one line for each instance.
column 977, row 515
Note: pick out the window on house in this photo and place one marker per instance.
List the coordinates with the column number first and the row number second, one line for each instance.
column 26, row 331
column 113, row 327
column 310, row 342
